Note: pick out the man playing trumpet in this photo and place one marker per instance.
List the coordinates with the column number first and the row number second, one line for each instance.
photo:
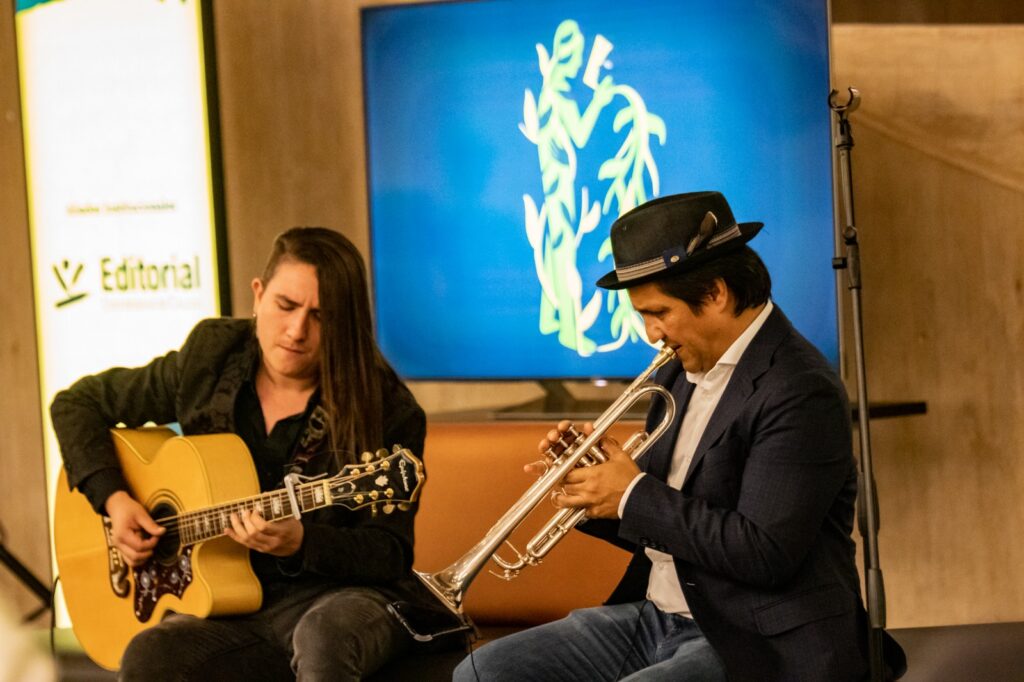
column 740, row 519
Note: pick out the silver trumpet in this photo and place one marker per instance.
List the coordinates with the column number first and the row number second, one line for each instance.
column 575, row 449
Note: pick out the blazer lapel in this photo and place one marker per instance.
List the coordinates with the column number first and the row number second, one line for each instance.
column 754, row 362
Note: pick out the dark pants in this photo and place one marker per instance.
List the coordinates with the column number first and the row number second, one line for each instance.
column 312, row 633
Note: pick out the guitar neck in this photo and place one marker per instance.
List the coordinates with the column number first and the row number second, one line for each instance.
column 205, row 524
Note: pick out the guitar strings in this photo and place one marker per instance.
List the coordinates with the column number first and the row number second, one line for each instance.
column 264, row 503
column 195, row 526
column 304, row 493
column 196, row 523
column 301, row 489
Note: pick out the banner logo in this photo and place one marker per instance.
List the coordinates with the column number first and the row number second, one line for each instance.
column 67, row 278
column 128, row 275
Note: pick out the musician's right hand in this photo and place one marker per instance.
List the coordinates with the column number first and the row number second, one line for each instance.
column 539, row 467
column 133, row 530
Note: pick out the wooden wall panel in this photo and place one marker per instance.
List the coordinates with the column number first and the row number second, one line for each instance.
column 939, row 173
column 22, row 492
column 291, row 121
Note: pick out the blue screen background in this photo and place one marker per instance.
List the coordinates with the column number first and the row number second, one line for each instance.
column 742, row 88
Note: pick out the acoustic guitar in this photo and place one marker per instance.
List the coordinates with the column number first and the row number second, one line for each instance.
column 191, row 486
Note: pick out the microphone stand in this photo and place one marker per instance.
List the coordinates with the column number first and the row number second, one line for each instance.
column 867, row 498
column 27, row 579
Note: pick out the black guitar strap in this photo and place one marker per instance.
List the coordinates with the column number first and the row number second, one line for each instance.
column 312, row 442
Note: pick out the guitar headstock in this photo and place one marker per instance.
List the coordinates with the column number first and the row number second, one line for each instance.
column 382, row 481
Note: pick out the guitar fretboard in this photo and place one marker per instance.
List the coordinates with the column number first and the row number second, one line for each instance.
column 205, row 524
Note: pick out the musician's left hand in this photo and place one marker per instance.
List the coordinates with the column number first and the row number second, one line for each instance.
column 599, row 488
column 280, row 538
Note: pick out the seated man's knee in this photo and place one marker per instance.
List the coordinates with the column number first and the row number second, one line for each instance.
column 490, row 662
column 150, row 655
column 466, row 671
column 319, row 632
column 350, row 632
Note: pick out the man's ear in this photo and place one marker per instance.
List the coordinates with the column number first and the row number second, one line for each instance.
column 718, row 298
column 257, row 293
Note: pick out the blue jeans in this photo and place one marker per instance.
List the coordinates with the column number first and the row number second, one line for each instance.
column 623, row 642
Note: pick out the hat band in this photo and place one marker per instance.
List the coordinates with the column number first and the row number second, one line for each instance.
column 672, row 257
column 642, row 269
column 725, row 236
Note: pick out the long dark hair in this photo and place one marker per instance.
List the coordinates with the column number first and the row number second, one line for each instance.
column 352, row 368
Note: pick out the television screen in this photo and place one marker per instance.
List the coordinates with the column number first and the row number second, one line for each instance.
column 505, row 136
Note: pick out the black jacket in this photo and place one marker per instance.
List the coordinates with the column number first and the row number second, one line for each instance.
column 760, row 531
column 197, row 387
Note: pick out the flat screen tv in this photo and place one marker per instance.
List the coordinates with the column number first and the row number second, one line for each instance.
column 505, row 136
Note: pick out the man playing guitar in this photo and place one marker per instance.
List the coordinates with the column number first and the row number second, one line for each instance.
column 306, row 388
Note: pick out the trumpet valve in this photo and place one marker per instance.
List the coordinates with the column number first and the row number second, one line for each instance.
column 567, row 444
column 567, row 440
column 594, row 456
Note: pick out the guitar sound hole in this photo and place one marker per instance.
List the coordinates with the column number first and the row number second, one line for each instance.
column 168, row 546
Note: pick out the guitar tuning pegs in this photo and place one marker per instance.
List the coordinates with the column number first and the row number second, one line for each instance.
column 366, row 457
column 373, row 510
column 404, row 506
column 388, row 508
column 396, row 448
column 382, row 453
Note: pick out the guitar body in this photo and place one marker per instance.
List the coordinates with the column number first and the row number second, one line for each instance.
column 107, row 601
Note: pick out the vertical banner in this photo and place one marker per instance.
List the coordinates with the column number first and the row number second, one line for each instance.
column 120, row 180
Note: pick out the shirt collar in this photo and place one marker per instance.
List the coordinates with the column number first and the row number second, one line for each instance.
column 734, row 352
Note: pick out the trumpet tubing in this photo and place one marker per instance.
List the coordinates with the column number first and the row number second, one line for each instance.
column 450, row 584
column 565, row 520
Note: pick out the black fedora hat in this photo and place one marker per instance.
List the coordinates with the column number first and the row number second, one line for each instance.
column 673, row 234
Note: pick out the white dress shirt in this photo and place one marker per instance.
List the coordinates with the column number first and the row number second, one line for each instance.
column 663, row 586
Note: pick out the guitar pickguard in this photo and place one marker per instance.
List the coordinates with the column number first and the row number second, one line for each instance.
column 154, row 579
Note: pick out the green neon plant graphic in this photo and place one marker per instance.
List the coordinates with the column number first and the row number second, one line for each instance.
column 553, row 122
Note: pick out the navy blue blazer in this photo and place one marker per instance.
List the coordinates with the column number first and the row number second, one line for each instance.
column 761, row 530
